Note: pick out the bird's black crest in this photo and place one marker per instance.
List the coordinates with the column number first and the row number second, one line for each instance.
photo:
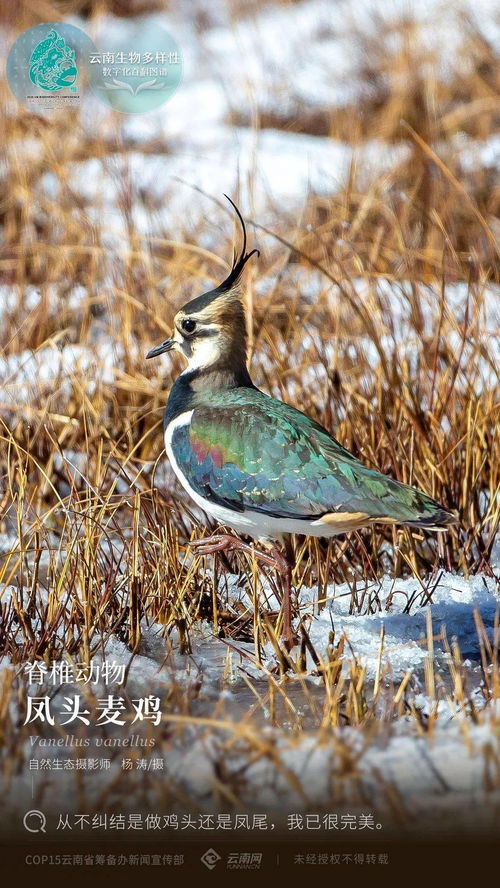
column 239, row 262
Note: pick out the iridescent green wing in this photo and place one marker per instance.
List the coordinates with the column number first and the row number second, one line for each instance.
column 246, row 450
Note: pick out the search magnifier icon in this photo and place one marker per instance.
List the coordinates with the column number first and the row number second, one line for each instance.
column 35, row 821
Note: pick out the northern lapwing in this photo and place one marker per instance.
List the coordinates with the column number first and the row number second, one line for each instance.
column 256, row 464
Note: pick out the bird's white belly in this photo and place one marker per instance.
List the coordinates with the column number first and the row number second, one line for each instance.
column 255, row 524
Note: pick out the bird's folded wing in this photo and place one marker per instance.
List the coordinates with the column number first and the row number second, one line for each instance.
column 248, row 451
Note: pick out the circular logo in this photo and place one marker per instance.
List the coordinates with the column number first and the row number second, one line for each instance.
column 134, row 67
column 46, row 67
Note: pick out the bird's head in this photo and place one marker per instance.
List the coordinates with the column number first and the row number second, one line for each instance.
column 210, row 330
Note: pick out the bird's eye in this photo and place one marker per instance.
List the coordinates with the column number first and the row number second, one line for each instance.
column 188, row 325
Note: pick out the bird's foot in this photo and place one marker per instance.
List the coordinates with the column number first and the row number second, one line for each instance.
column 226, row 542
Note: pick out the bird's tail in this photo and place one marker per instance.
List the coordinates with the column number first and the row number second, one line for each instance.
column 413, row 508
column 438, row 519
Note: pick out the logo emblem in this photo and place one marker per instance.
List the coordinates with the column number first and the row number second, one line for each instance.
column 52, row 65
column 210, row 858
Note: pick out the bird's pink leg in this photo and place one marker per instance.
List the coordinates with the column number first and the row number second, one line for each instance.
column 282, row 564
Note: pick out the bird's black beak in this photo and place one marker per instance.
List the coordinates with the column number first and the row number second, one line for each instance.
column 159, row 349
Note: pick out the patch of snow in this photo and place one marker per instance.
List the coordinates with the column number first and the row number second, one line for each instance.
column 312, row 52
column 9, row 542
column 441, row 779
column 23, row 376
column 272, row 167
column 453, row 602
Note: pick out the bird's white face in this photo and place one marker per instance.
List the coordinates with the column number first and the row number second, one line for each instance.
column 201, row 340
column 207, row 337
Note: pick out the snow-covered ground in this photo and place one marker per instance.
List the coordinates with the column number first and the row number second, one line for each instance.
column 443, row 777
